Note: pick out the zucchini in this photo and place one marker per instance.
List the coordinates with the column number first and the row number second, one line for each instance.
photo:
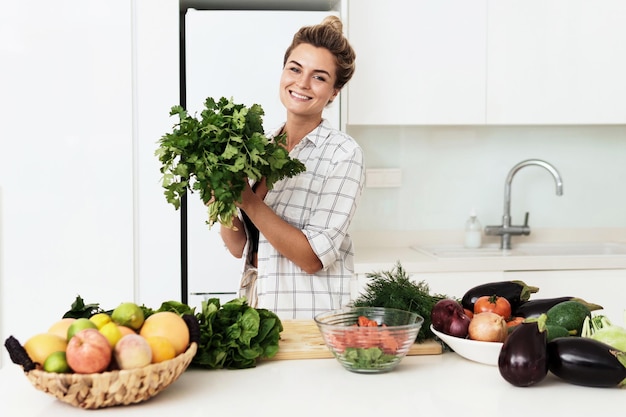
column 569, row 314
column 555, row 331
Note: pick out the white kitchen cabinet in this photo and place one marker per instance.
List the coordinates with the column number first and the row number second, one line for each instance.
column 600, row 286
column 418, row 62
column 556, row 62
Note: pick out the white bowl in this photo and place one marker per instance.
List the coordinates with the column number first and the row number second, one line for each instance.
column 474, row 350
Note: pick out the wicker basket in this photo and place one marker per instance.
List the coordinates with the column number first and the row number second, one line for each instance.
column 106, row 389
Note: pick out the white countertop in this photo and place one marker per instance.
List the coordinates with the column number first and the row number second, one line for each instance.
column 381, row 251
column 421, row 385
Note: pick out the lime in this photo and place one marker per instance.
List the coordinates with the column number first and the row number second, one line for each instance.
column 56, row 362
column 78, row 325
column 128, row 314
column 100, row 319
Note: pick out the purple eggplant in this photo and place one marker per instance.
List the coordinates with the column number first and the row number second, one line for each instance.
column 516, row 292
column 535, row 308
column 523, row 360
column 586, row 362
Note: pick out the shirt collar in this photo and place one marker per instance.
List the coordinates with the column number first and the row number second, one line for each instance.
column 317, row 136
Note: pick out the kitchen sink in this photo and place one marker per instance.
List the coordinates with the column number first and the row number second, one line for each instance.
column 526, row 249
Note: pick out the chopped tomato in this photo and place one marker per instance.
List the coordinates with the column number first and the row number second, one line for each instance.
column 494, row 304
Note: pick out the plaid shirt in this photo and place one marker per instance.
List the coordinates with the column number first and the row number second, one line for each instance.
column 321, row 202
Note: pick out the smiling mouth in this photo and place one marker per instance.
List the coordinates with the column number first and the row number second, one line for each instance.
column 299, row 96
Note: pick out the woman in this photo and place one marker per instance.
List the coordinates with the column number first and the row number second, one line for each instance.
column 295, row 236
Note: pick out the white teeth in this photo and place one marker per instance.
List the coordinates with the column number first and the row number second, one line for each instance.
column 300, row 96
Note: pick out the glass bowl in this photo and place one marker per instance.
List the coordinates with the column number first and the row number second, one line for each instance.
column 365, row 349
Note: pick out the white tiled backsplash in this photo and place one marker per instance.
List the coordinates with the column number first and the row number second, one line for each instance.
column 447, row 171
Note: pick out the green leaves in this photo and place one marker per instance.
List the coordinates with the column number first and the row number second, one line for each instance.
column 235, row 335
column 216, row 154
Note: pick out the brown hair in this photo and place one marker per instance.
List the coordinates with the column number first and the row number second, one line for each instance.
column 329, row 35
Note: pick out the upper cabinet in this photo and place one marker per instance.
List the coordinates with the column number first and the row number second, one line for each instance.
column 477, row 62
column 418, row 62
column 556, row 62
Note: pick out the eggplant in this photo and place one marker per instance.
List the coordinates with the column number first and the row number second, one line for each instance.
column 516, row 292
column 523, row 359
column 535, row 308
column 586, row 362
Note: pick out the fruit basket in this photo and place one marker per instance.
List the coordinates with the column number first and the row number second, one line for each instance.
column 104, row 389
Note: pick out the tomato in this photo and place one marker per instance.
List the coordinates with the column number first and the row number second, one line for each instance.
column 468, row 313
column 494, row 304
column 514, row 321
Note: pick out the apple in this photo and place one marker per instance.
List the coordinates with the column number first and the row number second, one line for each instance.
column 78, row 325
column 132, row 351
column 88, row 351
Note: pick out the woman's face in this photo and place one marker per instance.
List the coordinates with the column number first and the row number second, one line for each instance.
column 308, row 79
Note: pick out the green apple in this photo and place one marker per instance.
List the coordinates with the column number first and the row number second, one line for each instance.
column 78, row 325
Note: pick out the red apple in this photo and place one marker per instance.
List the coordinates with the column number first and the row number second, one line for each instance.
column 88, row 352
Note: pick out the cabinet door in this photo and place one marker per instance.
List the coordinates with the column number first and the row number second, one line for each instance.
column 605, row 287
column 556, row 62
column 418, row 62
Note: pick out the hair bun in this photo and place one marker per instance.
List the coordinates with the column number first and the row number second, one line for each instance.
column 334, row 22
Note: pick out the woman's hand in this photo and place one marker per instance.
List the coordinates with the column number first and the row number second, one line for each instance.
column 253, row 195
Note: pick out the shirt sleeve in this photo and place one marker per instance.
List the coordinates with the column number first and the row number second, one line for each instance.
column 329, row 221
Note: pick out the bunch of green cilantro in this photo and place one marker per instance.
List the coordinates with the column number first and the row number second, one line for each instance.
column 235, row 335
column 217, row 153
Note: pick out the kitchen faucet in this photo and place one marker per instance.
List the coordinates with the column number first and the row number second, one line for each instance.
column 506, row 230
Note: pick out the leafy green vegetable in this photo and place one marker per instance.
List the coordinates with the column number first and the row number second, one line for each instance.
column 216, row 154
column 235, row 335
column 394, row 289
column 176, row 307
column 81, row 310
column 367, row 358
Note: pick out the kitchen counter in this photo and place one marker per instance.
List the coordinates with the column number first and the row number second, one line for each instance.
column 421, row 385
column 379, row 251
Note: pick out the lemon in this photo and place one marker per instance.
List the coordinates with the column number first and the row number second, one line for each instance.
column 40, row 346
column 112, row 332
column 128, row 314
column 56, row 362
column 100, row 319
column 162, row 348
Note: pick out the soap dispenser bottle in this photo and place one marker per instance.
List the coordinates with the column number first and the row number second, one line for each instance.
column 473, row 231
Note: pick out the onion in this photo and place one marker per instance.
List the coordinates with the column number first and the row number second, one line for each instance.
column 488, row 327
column 447, row 316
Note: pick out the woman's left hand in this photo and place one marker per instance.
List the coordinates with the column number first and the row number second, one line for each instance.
column 249, row 195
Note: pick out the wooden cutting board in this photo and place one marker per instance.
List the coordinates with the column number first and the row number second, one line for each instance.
column 301, row 339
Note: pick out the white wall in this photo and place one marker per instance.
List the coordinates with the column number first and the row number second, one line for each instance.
column 448, row 170
column 65, row 159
